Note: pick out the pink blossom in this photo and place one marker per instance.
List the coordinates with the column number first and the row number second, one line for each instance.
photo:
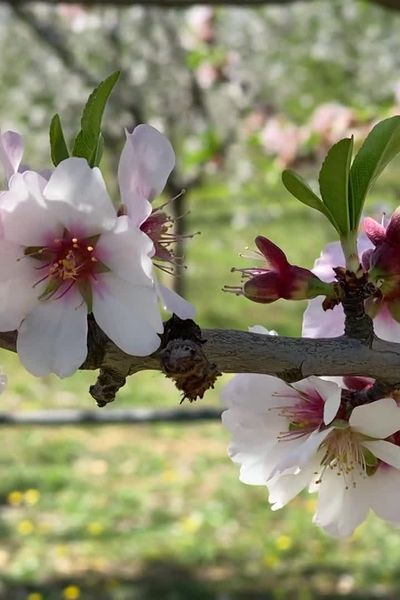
column 307, row 435
column 382, row 264
column 66, row 253
column 278, row 279
column 146, row 162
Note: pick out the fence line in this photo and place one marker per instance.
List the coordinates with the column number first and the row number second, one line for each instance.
column 134, row 416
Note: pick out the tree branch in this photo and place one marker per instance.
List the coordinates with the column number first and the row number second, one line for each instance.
column 242, row 352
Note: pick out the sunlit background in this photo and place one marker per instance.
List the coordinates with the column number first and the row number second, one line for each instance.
column 157, row 511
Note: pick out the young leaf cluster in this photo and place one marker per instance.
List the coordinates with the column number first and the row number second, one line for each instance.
column 89, row 141
column 344, row 184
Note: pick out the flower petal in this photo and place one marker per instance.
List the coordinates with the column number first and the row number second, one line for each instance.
column 146, row 161
column 128, row 314
column 386, row 451
column 385, row 326
column 283, row 488
column 253, row 391
column 378, row 419
column 80, row 197
column 342, row 505
column 11, row 152
column 125, row 250
column 174, row 303
column 26, row 218
column 262, row 330
column 53, row 337
column 383, row 493
column 318, row 323
column 17, row 294
column 302, row 453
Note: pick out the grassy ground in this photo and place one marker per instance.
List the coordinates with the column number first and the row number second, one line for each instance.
column 148, row 512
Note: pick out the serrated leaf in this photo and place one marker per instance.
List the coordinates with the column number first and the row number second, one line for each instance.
column 86, row 143
column 58, row 146
column 300, row 189
column 379, row 148
column 334, row 183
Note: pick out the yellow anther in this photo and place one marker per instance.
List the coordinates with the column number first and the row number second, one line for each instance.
column 75, row 246
column 93, row 259
column 90, row 248
column 74, row 240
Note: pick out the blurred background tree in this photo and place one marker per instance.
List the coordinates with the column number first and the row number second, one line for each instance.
column 122, row 513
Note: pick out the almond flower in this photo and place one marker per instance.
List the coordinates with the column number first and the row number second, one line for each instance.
column 383, row 266
column 291, row 437
column 146, row 162
column 278, row 278
column 66, row 253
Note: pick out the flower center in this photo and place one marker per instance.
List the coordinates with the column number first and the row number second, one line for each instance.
column 304, row 416
column 66, row 261
column 344, row 454
column 73, row 259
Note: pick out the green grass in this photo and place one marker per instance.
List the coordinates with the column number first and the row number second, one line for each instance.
column 148, row 512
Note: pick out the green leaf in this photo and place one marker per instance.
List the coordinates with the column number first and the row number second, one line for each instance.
column 58, row 146
column 300, row 189
column 99, row 151
column 88, row 141
column 380, row 147
column 334, row 183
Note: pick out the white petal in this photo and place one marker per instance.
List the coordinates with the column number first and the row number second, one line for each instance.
column 11, row 151
column 284, row 488
column 128, row 314
column 378, row 419
column 262, row 330
column 342, row 504
column 125, row 251
column 174, row 303
column 318, row 323
column 53, row 337
column 255, row 391
column 17, row 294
column 146, row 161
column 385, row 326
column 302, row 453
column 386, row 451
column 80, row 197
column 26, row 218
column 331, row 256
column 384, row 492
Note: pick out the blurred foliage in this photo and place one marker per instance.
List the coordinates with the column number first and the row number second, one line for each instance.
column 126, row 513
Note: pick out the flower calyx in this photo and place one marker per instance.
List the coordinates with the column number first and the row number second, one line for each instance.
column 279, row 279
